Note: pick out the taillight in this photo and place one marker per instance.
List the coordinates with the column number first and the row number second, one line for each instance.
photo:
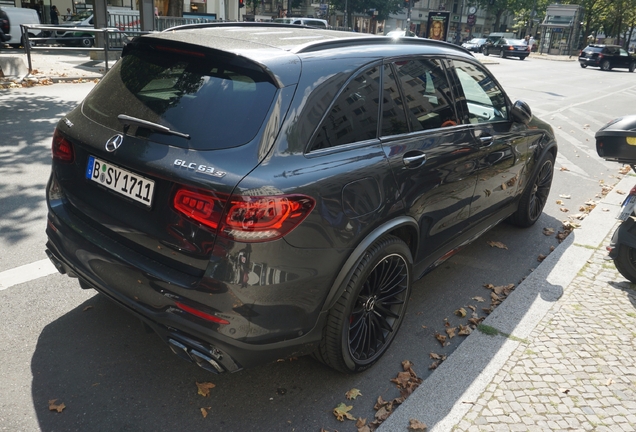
column 61, row 148
column 511, row 48
column 633, row 191
column 245, row 218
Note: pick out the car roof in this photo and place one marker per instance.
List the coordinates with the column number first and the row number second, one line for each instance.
column 278, row 46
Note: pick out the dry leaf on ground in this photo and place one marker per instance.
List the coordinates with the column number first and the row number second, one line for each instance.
column 204, row 388
column 416, row 425
column 56, row 407
column 353, row 393
column 342, row 411
column 461, row 312
column 451, row 332
column 497, row 244
column 548, row 231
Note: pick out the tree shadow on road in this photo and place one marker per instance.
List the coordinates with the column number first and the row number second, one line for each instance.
column 27, row 125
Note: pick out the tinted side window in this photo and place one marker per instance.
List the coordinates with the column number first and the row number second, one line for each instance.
column 486, row 102
column 426, row 91
column 393, row 116
column 354, row 115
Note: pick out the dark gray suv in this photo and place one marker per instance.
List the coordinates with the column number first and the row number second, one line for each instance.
column 254, row 192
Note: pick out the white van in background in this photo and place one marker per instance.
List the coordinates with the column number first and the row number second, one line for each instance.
column 311, row 22
column 19, row 16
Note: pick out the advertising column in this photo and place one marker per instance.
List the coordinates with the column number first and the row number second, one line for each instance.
column 438, row 25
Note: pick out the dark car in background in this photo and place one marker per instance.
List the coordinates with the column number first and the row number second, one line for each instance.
column 254, row 194
column 508, row 48
column 475, row 44
column 606, row 57
column 5, row 27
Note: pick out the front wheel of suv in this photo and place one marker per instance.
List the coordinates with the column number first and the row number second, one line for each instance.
column 364, row 321
column 536, row 194
column 605, row 65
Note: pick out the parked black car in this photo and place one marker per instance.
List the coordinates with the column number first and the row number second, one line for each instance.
column 475, row 44
column 5, row 27
column 253, row 194
column 607, row 57
column 507, row 48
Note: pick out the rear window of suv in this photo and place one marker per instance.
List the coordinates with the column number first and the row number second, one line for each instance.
column 219, row 104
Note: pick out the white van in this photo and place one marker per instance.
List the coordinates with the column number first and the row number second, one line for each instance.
column 311, row 22
column 19, row 16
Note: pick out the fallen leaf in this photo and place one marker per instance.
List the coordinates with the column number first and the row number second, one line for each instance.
column 609, row 382
column 564, row 169
column 497, row 244
column 625, row 169
column 379, row 403
column 559, row 202
column 204, row 412
column 461, row 312
column 464, row 330
column 620, row 192
column 472, row 308
column 342, row 411
column 416, row 425
column 565, row 196
column 204, row 388
column 548, row 231
column 434, row 365
column 87, row 308
column 451, row 332
column 564, row 210
column 437, row 356
column 56, row 407
column 362, row 426
column 441, row 339
column 353, row 393
column 383, row 413
column 541, row 257
column 479, row 299
column 564, row 390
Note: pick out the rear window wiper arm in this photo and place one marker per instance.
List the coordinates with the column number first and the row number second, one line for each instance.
column 128, row 121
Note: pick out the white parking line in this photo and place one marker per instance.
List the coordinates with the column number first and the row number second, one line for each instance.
column 26, row 273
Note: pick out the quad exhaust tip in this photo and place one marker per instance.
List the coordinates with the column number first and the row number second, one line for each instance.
column 203, row 361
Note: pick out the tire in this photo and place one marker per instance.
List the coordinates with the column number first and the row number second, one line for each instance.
column 486, row 53
column 632, row 67
column 536, row 194
column 364, row 321
column 522, row 58
column 605, row 65
column 583, row 65
column 86, row 42
column 625, row 262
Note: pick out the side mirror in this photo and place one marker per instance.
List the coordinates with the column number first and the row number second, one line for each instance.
column 521, row 112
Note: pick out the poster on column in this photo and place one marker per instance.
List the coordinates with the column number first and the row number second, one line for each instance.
column 438, row 25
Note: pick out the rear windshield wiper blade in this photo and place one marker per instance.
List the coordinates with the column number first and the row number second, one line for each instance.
column 128, row 121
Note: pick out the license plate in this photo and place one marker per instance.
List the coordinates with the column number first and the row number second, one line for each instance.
column 627, row 208
column 124, row 182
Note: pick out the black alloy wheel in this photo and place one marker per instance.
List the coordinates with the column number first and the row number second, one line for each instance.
column 366, row 318
column 605, row 65
column 535, row 196
column 583, row 65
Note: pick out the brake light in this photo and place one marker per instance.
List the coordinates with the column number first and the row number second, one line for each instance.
column 201, row 314
column 245, row 218
column 511, row 48
column 61, row 148
column 633, row 191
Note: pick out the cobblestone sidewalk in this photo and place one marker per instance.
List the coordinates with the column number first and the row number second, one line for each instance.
column 577, row 370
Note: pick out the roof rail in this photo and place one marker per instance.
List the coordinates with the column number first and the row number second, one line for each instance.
column 375, row 40
column 234, row 24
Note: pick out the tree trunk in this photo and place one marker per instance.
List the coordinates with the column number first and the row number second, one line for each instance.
column 175, row 8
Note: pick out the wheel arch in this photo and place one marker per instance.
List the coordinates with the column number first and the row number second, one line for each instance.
column 404, row 227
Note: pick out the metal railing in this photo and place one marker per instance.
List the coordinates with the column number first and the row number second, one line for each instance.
column 112, row 40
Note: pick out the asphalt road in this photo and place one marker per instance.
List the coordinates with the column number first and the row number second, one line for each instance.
column 60, row 342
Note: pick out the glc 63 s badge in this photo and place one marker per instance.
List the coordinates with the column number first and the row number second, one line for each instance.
column 203, row 169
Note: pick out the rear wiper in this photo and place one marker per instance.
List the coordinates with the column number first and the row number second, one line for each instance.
column 127, row 121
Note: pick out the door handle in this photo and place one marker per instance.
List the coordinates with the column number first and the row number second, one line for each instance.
column 486, row 140
column 414, row 159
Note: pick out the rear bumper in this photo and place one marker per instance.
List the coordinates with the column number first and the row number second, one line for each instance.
column 278, row 316
column 589, row 62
